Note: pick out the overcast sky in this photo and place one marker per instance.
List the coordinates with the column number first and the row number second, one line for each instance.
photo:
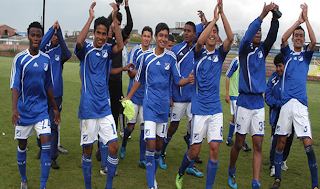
column 73, row 14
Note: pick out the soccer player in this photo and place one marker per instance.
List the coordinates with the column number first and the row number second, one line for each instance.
column 170, row 42
column 181, row 96
column 206, row 107
column 53, row 45
column 273, row 100
column 137, row 99
column 294, row 102
column 232, row 85
column 94, row 108
column 156, row 68
column 250, row 114
column 31, row 84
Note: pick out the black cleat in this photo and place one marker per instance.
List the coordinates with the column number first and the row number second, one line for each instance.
column 198, row 160
column 54, row 164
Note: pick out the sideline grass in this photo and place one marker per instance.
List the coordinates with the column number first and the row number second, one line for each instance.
column 130, row 175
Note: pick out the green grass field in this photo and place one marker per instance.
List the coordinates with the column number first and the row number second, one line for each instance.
column 130, row 175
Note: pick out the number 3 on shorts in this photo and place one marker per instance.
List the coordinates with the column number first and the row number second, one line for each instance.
column 261, row 124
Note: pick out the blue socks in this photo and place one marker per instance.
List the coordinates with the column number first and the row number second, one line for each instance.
column 185, row 163
column 21, row 160
column 212, row 168
column 143, row 145
column 255, row 184
column 104, row 150
column 86, row 167
column 127, row 133
column 277, row 162
column 150, row 167
column 112, row 167
column 156, row 161
column 165, row 144
column 232, row 171
column 312, row 161
column 45, row 163
column 231, row 131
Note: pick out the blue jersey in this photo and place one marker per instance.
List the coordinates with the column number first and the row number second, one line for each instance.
column 295, row 74
column 155, row 71
column 184, row 54
column 252, row 73
column 32, row 77
column 135, row 53
column 273, row 97
column 94, row 67
column 58, row 56
column 234, row 82
column 207, row 73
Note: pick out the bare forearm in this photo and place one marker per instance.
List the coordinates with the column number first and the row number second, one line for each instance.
column 114, row 71
column 83, row 34
column 312, row 37
column 288, row 33
column 15, row 97
column 228, row 42
column 204, row 35
column 133, row 90
column 51, row 98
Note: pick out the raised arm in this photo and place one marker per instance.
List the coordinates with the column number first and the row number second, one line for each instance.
column 206, row 32
column 66, row 54
column 47, row 37
column 288, row 33
column 227, row 42
column 117, row 48
column 84, row 32
column 312, row 37
column 128, row 28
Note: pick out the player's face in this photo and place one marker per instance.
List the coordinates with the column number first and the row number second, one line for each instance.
column 54, row 39
column 213, row 37
column 188, row 33
column 35, row 37
column 146, row 39
column 100, row 36
column 257, row 38
column 162, row 38
column 298, row 39
column 279, row 69
column 169, row 45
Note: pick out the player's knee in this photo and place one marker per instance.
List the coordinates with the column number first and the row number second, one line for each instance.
column 113, row 148
column 257, row 147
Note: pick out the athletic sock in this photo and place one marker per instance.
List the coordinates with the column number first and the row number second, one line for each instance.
column 191, row 164
column 156, row 160
column 165, row 144
column 313, row 166
column 150, row 167
column 231, row 131
column 86, row 168
column 142, row 144
column 244, row 142
column 277, row 162
column 21, row 160
column 45, row 163
column 232, row 171
column 212, row 167
column 112, row 167
column 255, row 184
column 104, row 151
column 185, row 163
column 127, row 133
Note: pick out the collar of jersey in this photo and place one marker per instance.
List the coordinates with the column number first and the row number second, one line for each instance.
column 154, row 52
column 210, row 52
column 34, row 55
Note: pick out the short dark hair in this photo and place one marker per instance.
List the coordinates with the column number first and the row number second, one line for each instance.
column 171, row 38
column 119, row 16
column 215, row 25
column 101, row 21
column 299, row 28
column 36, row 25
column 161, row 26
column 192, row 25
column 147, row 28
column 278, row 59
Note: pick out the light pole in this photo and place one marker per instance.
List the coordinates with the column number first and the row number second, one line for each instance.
column 43, row 13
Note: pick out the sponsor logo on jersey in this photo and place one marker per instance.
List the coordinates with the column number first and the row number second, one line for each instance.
column 147, row 132
column 158, row 63
column 166, row 66
column 260, row 54
column 196, row 136
column 215, row 58
column 85, row 137
column 57, row 57
column 45, row 66
column 35, row 64
column 300, row 58
column 18, row 133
